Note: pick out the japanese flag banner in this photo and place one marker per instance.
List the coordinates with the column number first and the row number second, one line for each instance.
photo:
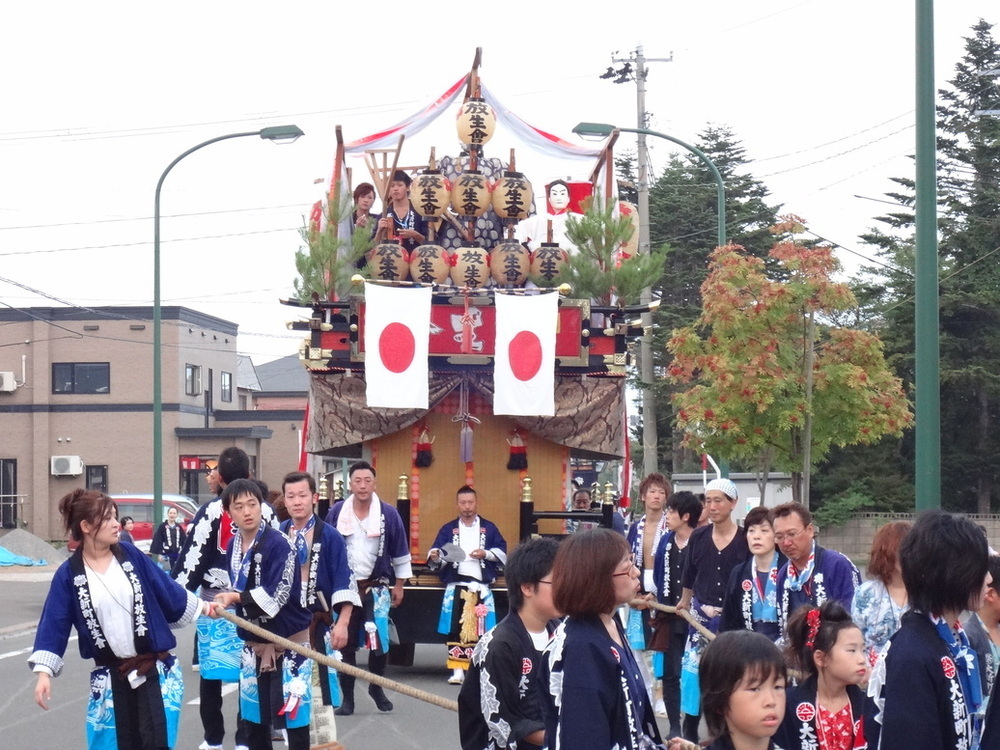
column 524, row 365
column 397, row 332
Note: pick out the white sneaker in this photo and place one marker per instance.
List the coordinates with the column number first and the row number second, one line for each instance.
column 242, row 747
column 205, row 746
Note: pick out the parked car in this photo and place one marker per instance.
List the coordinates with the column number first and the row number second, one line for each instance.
column 140, row 508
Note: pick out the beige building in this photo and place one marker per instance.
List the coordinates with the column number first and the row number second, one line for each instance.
column 76, row 407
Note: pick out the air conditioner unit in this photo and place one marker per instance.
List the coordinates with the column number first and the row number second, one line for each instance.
column 67, row 466
column 7, row 382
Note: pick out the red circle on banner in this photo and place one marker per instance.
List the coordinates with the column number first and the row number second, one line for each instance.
column 525, row 353
column 805, row 712
column 396, row 347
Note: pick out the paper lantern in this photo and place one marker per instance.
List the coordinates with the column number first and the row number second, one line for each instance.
column 389, row 261
column 429, row 194
column 509, row 263
column 512, row 196
column 476, row 122
column 429, row 264
column 471, row 268
column 470, row 195
column 547, row 262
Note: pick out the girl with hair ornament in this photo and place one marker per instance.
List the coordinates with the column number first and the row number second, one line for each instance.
column 826, row 711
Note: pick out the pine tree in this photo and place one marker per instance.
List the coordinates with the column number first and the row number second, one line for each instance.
column 597, row 270
column 969, row 252
column 327, row 262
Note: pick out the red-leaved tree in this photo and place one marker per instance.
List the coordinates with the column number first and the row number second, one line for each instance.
column 770, row 383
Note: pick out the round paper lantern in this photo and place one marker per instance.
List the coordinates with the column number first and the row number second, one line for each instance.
column 429, row 194
column 512, row 196
column 470, row 195
column 471, row 268
column 389, row 261
column 547, row 263
column 476, row 122
column 509, row 263
column 429, row 264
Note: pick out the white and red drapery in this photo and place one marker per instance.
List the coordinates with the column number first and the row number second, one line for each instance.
column 533, row 137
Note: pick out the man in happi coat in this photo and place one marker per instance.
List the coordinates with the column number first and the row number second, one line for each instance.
column 812, row 574
column 329, row 590
column 468, row 554
column 379, row 554
column 275, row 683
column 201, row 567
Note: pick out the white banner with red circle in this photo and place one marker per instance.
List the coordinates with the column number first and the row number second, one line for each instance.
column 397, row 331
column 525, row 354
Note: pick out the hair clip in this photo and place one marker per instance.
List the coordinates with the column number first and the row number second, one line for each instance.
column 813, row 620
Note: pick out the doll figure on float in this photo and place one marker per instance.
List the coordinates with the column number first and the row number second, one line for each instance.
column 562, row 200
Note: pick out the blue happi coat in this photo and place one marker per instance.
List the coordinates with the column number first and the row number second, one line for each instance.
column 490, row 539
column 160, row 605
column 592, row 693
column 271, row 596
column 834, row 577
column 917, row 693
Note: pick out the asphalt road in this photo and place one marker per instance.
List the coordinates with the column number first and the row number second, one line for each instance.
column 412, row 724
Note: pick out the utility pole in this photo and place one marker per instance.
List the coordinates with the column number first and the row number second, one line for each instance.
column 638, row 73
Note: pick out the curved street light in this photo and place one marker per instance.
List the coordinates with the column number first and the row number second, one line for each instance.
column 650, row 439
column 604, row 130
column 276, row 134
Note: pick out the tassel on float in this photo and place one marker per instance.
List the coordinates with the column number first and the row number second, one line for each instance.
column 425, row 456
column 518, row 459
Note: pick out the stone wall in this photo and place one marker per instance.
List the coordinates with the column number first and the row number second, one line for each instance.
column 854, row 538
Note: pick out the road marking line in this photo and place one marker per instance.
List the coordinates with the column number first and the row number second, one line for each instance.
column 22, row 651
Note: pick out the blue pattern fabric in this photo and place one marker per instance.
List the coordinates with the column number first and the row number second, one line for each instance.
column 219, row 649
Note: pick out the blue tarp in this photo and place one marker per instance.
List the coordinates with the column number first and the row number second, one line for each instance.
column 8, row 558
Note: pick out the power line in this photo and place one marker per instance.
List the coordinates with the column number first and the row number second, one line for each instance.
column 146, row 242
column 150, row 218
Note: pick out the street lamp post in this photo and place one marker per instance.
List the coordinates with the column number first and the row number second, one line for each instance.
column 649, row 431
column 277, row 134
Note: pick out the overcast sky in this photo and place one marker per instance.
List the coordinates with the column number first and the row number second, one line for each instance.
column 98, row 98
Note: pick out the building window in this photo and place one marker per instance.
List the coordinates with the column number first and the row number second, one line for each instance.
column 97, row 478
column 243, row 403
column 192, row 380
column 226, row 393
column 81, row 377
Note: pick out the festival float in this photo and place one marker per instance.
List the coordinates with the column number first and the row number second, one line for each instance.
column 492, row 354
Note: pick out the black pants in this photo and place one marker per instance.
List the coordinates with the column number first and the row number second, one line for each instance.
column 672, row 658
column 212, row 720
column 140, row 721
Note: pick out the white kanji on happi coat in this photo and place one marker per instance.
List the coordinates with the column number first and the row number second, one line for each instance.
column 397, row 333
column 524, row 365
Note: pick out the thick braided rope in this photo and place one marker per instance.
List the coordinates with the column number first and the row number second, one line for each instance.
column 640, row 603
column 347, row 669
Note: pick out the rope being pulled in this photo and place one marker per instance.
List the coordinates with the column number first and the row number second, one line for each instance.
column 352, row 671
column 641, row 603
column 342, row 667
